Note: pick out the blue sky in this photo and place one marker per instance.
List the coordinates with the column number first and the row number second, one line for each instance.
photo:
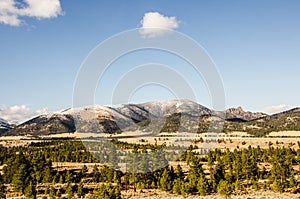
column 255, row 45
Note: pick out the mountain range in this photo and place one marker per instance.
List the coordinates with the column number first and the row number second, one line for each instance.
column 164, row 116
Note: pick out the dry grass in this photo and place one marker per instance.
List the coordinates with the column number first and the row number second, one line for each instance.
column 157, row 194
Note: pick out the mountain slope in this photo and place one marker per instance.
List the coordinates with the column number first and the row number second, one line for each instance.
column 45, row 125
column 4, row 126
column 114, row 119
column 285, row 121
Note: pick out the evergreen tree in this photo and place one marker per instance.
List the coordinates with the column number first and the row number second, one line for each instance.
column 2, row 191
column 203, row 186
column 177, row 188
column 292, row 181
column 56, row 178
column 255, row 184
column 84, row 170
column 278, row 186
column 19, row 178
column 194, row 174
column 96, row 174
column 61, row 179
column 224, row 188
column 237, row 185
column 2, row 188
column 68, row 177
column 52, row 193
column 106, row 192
column 58, row 193
column 30, row 191
column 216, row 176
column 165, row 182
column 179, row 172
column 47, row 174
column 80, row 190
column 69, row 191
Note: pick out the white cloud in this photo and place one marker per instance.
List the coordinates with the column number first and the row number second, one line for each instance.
column 277, row 108
column 155, row 24
column 12, row 10
column 20, row 113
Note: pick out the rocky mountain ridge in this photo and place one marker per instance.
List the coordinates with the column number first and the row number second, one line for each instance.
column 114, row 119
column 239, row 113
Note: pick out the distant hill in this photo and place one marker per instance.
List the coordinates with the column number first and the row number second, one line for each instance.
column 162, row 116
column 4, row 126
column 285, row 121
column 45, row 125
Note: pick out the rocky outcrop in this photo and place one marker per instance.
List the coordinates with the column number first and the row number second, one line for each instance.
column 238, row 114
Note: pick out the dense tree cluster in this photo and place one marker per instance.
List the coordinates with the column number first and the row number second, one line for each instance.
column 223, row 172
column 106, row 192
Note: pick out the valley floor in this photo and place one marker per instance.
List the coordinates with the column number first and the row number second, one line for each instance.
column 157, row 194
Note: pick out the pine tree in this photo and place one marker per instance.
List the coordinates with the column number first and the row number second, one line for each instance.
column 46, row 191
column 106, row 192
column 179, row 172
column 194, row 174
column 203, row 186
column 237, row 185
column 95, row 173
column 52, row 193
column 68, row 177
column 153, row 185
column 69, row 191
column 2, row 191
column 19, row 178
column 292, row 181
column 30, row 191
column 165, row 182
column 58, row 193
column 255, row 184
column 263, row 173
column 2, row 188
column 84, row 170
column 61, row 179
column 56, row 178
column 216, row 176
column 80, row 191
column 47, row 174
column 177, row 186
column 278, row 186
column 224, row 188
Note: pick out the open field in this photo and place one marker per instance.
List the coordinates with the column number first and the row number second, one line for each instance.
column 231, row 141
column 156, row 194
